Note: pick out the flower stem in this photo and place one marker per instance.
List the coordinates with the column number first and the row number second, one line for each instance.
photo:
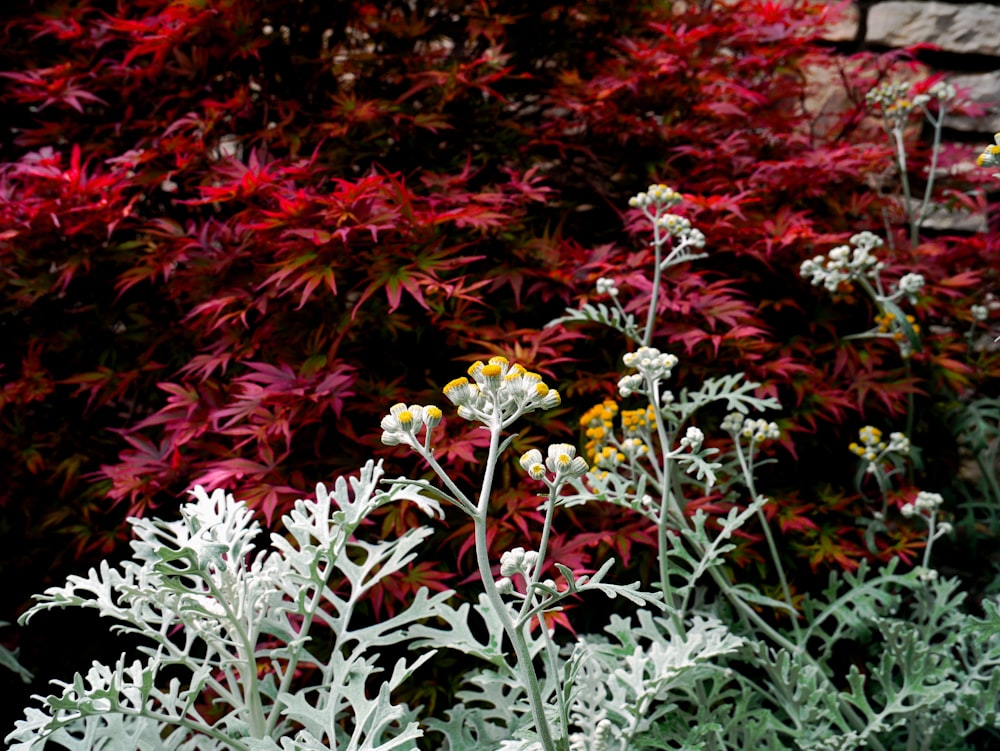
column 746, row 465
column 516, row 635
column 647, row 335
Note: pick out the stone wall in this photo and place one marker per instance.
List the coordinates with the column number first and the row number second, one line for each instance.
column 961, row 40
column 967, row 41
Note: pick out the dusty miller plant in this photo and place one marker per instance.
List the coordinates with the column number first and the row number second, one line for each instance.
column 255, row 649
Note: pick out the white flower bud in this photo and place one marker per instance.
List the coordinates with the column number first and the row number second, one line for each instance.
column 511, row 562
column 607, row 286
column 911, row 283
column 693, row 439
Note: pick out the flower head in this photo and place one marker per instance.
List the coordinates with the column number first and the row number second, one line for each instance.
column 942, row 90
column 895, row 102
column 844, row 263
column 531, row 462
column 655, row 195
column 676, row 226
column 873, row 449
column 991, row 155
column 518, row 561
column 759, row 430
column 928, row 501
column 631, row 384
column 499, row 390
column 607, row 286
column 732, row 423
column 910, row 284
column 563, row 462
column 401, row 424
column 692, row 439
column 899, row 443
column 651, row 363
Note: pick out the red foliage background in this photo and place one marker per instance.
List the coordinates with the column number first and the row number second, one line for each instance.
column 233, row 233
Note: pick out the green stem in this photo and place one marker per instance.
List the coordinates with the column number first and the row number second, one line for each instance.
column 464, row 503
column 247, row 660
column 931, row 530
column 668, row 505
column 989, row 476
column 897, row 137
column 293, row 660
column 928, row 190
column 198, row 728
column 647, row 336
column 563, row 690
column 536, row 574
column 516, row 636
column 852, row 717
column 746, row 468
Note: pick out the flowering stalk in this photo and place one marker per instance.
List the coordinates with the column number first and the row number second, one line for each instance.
column 653, row 203
column 515, row 633
column 896, row 106
column 756, row 431
column 845, row 266
column 498, row 394
column 877, row 454
column 926, row 506
column 991, row 155
column 652, row 367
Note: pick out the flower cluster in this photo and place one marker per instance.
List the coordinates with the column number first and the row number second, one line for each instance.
column 991, row 155
column 518, row 561
column 942, row 91
column 499, row 390
column 925, row 507
column 844, row 264
column 888, row 94
column 513, row 562
column 598, row 427
column 756, row 430
column 911, row 284
column 403, row 423
column 562, row 462
column 652, row 364
column 924, row 504
column 607, row 286
column 692, row 440
column 603, row 448
column 680, row 228
column 873, row 449
column 888, row 325
column 656, row 196
column 894, row 101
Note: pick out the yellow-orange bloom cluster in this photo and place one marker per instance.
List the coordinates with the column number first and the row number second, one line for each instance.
column 638, row 420
column 887, row 325
column 873, row 449
column 603, row 448
column 991, row 154
column 597, row 424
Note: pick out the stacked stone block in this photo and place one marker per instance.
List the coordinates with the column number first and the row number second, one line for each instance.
column 968, row 35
